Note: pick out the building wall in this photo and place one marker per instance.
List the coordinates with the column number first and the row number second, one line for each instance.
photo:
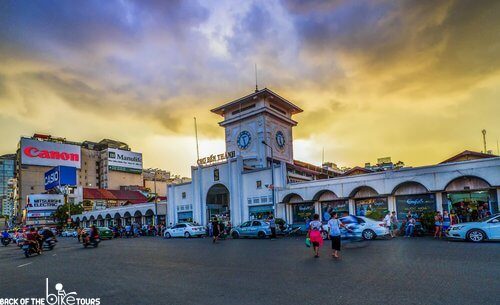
column 161, row 187
column 116, row 179
column 89, row 173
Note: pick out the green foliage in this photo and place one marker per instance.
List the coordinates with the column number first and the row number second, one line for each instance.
column 61, row 214
column 427, row 220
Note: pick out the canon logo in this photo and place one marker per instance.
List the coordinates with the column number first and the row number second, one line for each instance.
column 34, row 152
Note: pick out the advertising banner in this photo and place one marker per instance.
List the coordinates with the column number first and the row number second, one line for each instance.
column 124, row 161
column 43, row 153
column 338, row 206
column 417, row 204
column 374, row 208
column 44, row 202
column 60, row 176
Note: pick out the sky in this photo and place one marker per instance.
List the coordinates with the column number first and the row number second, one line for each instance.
column 414, row 80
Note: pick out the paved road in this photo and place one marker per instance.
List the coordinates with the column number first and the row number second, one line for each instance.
column 157, row 271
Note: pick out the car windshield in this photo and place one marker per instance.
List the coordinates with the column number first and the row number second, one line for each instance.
column 487, row 218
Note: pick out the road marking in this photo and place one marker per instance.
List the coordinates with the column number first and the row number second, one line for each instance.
column 24, row 265
column 54, row 254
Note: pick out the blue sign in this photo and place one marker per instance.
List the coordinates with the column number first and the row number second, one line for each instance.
column 60, row 176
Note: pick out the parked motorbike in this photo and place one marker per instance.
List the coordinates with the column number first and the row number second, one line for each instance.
column 87, row 241
column 49, row 243
column 30, row 249
column 6, row 241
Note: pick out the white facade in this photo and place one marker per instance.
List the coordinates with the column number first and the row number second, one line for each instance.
column 241, row 184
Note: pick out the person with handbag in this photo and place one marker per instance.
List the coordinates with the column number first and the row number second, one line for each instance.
column 315, row 234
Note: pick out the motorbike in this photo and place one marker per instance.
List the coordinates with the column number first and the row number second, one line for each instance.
column 87, row 241
column 49, row 243
column 6, row 241
column 29, row 249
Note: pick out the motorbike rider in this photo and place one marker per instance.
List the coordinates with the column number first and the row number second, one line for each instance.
column 47, row 233
column 93, row 233
column 34, row 239
column 5, row 234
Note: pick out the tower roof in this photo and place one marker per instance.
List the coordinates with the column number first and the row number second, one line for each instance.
column 260, row 93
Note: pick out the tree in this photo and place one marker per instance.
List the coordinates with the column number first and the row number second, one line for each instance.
column 61, row 214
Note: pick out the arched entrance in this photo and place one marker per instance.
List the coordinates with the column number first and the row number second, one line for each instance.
column 218, row 203
column 470, row 198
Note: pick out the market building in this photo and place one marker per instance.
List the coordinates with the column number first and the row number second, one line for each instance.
column 257, row 176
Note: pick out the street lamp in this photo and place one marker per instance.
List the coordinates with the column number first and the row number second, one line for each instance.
column 272, row 176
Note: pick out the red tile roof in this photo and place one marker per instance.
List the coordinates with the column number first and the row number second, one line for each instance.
column 102, row 194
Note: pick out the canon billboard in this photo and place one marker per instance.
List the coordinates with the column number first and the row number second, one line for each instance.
column 34, row 152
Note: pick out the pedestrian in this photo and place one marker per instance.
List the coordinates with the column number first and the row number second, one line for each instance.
column 79, row 233
column 272, row 226
column 128, row 230
column 387, row 220
column 438, row 223
column 315, row 234
column 394, row 224
column 446, row 221
column 210, row 229
column 215, row 230
column 410, row 225
column 334, row 225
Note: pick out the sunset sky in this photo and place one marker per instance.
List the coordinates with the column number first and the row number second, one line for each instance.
column 414, row 80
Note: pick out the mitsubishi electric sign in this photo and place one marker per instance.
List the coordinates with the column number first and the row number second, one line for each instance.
column 44, row 202
column 44, row 153
column 124, row 161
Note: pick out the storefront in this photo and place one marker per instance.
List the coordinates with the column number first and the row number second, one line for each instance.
column 185, row 217
column 341, row 207
column 374, row 208
column 471, row 205
column 260, row 211
column 416, row 204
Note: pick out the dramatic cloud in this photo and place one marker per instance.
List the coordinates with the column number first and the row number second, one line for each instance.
column 415, row 80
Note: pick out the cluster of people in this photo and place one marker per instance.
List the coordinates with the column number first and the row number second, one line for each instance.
column 316, row 239
column 218, row 229
column 33, row 236
column 138, row 230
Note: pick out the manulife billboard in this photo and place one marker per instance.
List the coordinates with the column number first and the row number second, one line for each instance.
column 124, row 161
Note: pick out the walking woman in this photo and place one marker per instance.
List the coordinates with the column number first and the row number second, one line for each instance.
column 446, row 221
column 438, row 223
column 334, row 225
column 315, row 234
column 215, row 229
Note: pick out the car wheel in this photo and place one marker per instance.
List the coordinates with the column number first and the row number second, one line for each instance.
column 235, row 235
column 167, row 235
column 261, row 235
column 368, row 234
column 476, row 236
column 187, row 235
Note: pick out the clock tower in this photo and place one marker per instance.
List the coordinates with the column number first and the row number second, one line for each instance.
column 257, row 117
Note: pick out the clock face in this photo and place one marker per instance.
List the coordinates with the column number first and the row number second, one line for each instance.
column 244, row 139
column 280, row 139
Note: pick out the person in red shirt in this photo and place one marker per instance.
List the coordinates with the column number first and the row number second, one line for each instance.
column 34, row 238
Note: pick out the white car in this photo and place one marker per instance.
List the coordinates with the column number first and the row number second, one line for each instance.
column 69, row 233
column 361, row 226
column 485, row 229
column 185, row 229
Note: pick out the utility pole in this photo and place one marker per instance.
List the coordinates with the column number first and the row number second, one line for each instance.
column 484, row 140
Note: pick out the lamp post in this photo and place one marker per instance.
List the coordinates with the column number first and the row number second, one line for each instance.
column 156, row 201
column 272, row 177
